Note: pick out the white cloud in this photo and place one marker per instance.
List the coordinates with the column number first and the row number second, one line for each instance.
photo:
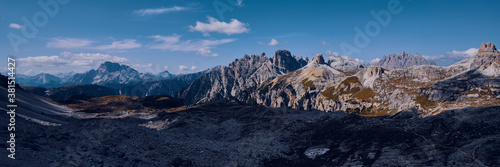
column 273, row 42
column 67, row 43
column 28, row 72
column 15, row 26
column 469, row 53
column 214, row 25
column 331, row 53
column 376, row 60
column 324, row 43
column 157, row 11
column 143, row 65
column 239, row 3
column 125, row 44
column 432, row 58
column 206, row 52
column 91, row 59
column 42, row 61
column 186, row 68
column 173, row 43
column 71, row 59
column 360, row 61
column 165, row 67
column 183, row 67
column 454, row 55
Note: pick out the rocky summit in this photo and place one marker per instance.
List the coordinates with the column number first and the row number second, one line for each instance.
column 285, row 62
column 487, row 48
column 402, row 60
column 228, row 81
column 487, row 55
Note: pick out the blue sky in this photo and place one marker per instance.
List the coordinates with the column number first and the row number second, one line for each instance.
column 185, row 36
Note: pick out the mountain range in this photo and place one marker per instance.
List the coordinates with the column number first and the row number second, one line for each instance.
column 403, row 60
column 376, row 91
column 398, row 82
column 260, row 111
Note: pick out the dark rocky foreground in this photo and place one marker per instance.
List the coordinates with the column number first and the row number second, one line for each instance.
column 233, row 134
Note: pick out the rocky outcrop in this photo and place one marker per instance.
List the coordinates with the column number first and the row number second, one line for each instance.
column 403, row 60
column 345, row 63
column 319, row 59
column 300, row 89
column 285, row 62
column 487, row 55
column 487, row 48
column 482, row 80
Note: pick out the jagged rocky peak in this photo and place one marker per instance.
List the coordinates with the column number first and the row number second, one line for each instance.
column 374, row 71
column 487, row 55
column 487, row 48
column 403, row 60
column 285, row 62
column 110, row 67
column 319, row 59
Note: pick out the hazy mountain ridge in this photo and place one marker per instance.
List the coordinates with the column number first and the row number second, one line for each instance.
column 403, row 60
column 169, row 86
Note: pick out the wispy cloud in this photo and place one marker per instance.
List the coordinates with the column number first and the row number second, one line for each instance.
column 174, row 43
column 143, row 65
column 239, row 3
column 15, row 26
column 374, row 61
column 125, row 44
column 42, row 61
column 324, row 43
column 70, row 59
column 214, row 25
column 186, row 68
column 273, row 42
column 465, row 54
column 157, row 11
column 454, row 55
column 183, row 67
column 206, row 52
column 331, row 53
column 74, row 43
column 68, row 43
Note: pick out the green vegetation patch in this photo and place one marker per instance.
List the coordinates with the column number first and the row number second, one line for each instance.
column 306, row 84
